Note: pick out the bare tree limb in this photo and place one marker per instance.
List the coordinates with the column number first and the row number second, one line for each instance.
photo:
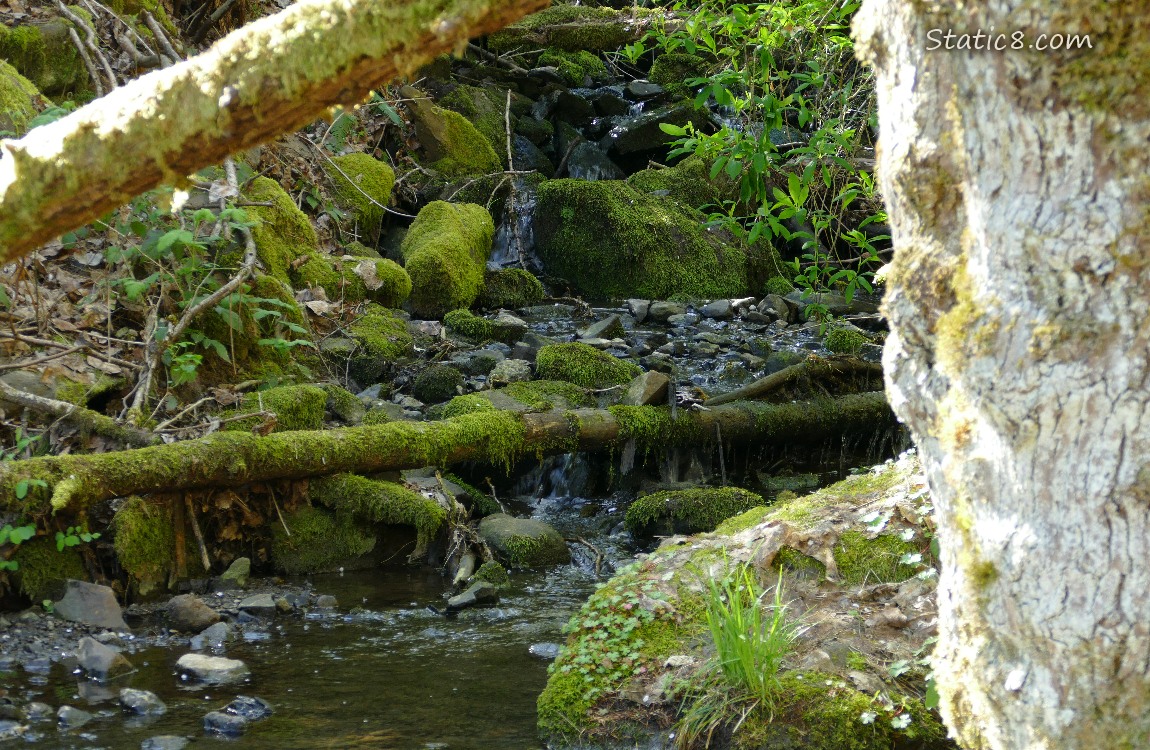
column 272, row 76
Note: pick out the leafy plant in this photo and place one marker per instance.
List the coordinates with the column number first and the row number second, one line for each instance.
column 14, row 535
column 74, row 536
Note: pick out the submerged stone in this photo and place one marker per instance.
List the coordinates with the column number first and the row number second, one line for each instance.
column 524, row 542
column 214, row 670
column 142, row 702
column 101, row 662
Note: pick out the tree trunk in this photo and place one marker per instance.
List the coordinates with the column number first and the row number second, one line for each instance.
column 269, row 77
column 233, row 458
column 1017, row 187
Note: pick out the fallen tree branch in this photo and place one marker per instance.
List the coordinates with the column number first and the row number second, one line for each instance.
column 813, row 369
column 85, row 419
column 272, row 76
column 235, row 458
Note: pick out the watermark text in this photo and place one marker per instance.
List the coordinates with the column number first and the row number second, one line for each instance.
column 998, row 41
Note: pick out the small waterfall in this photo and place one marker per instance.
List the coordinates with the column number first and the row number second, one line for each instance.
column 556, row 477
column 516, row 229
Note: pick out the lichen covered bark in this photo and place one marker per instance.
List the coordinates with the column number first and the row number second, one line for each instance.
column 1016, row 186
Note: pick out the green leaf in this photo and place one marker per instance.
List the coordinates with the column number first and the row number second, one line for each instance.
column 231, row 317
column 671, row 129
column 22, row 489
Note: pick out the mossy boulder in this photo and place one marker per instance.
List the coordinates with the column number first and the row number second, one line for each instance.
column 671, row 70
column 20, row 101
column 45, row 55
column 381, row 502
column 343, row 404
column 44, row 570
column 477, row 328
column 356, row 279
column 382, row 333
column 583, row 365
column 437, row 384
column 533, row 395
column 319, row 541
column 687, row 511
column 523, row 542
column 575, row 67
column 486, row 110
column 362, row 185
column 572, row 28
column 613, row 241
column 445, row 253
column 688, row 182
column 452, row 144
column 509, row 288
column 844, row 340
column 493, row 573
column 296, row 407
column 282, row 232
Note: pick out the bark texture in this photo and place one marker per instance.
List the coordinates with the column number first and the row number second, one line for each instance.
column 272, row 76
column 72, row 483
column 1017, row 188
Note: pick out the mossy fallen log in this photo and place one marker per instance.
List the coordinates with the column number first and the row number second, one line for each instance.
column 73, row 482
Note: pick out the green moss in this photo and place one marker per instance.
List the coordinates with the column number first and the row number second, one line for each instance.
column 355, row 279
column 381, row 502
column 466, row 404
column 296, row 407
column 549, row 394
column 45, row 55
column 688, row 511
column 319, row 541
column 467, row 324
column 493, row 573
column 574, row 67
column 523, row 542
column 778, row 285
column 845, row 340
column 571, row 27
column 282, row 232
column 485, row 110
column 820, row 711
column 19, row 100
column 806, row 511
column 534, row 551
column 611, row 240
column 343, row 404
column 743, row 521
column 583, row 365
column 80, row 394
column 43, row 570
column 145, row 542
column 863, row 560
column 362, row 185
column 509, row 288
column 468, row 151
column 377, row 416
column 382, row 334
column 797, row 564
column 437, row 384
column 672, row 69
column 688, row 182
column 445, row 252
column 536, row 131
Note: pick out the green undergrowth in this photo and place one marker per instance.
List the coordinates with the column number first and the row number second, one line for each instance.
column 381, row 502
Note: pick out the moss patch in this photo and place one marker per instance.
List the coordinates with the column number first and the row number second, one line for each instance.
column 493, row 573
column 43, row 570
column 437, row 384
column 485, row 110
column 355, row 279
column 509, row 288
column 319, row 541
column 297, row 407
column 19, row 100
column 863, row 560
column 445, row 253
column 381, row 502
column 688, row 511
column 583, row 365
column 573, row 28
column 44, row 54
column 343, row 404
column 549, row 394
column 362, row 185
column 382, row 333
column 778, row 285
column 844, row 340
column 466, row 404
column 523, row 542
column 574, row 67
column 743, row 521
column 673, row 69
column 282, row 232
column 145, row 542
column 477, row 328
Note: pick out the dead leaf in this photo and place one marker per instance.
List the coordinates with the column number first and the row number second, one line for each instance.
column 321, row 306
column 366, row 270
column 105, row 367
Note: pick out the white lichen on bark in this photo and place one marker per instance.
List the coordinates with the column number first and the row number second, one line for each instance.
column 1017, row 188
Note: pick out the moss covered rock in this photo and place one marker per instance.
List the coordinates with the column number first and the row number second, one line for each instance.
column 688, row 182
column 493, row 573
column 572, row 28
column 145, row 542
column 671, row 70
column 437, row 384
column 356, row 279
column 296, row 407
column 611, row 240
column 382, row 333
column 445, row 252
column 687, row 511
column 362, row 185
column 381, row 502
column 44, row 570
column 583, row 365
column 523, row 542
column 575, row 67
column 486, row 110
column 46, row 56
column 477, row 328
column 343, row 404
column 319, row 542
column 20, row 101
column 509, row 288
column 844, row 340
column 452, row 144
column 282, row 232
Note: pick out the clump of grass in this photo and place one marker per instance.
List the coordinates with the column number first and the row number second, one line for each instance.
column 752, row 637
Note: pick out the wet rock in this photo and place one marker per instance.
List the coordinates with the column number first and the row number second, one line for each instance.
column 642, row 132
column 510, row 371
column 263, row 605
column 720, row 309
column 188, row 613
column 142, row 702
column 238, row 572
column 648, row 388
column 644, row 89
column 639, row 309
column 250, row 708
column 326, row 601
column 70, row 717
column 528, row 156
column 9, row 710
column 479, row 594
column 524, row 542
column 588, row 162
column 775, row 305
column 225, row 724
column 608, row 328
column 661, row 311
column 94, row 691
column 37, row 711
column 684, row 320
column 213, row 636
column 215, row 670
column 705, row 350
column 569, row 107
column 164, row 742
column 283, row 606
column 91, row 604
column 608, row 103
column 546, row 651
column 101, row 662
column 11, row 730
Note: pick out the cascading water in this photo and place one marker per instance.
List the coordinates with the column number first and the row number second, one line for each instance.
column 515, row 238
